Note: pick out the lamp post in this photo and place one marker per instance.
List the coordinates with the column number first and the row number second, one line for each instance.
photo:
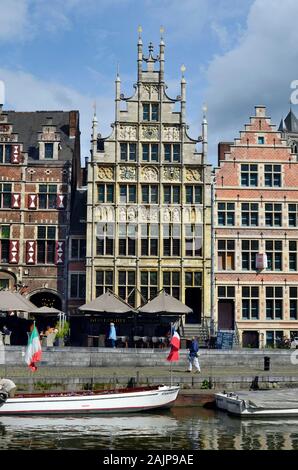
column 212, row 302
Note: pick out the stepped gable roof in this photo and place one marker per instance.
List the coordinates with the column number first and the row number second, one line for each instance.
column 29, row 124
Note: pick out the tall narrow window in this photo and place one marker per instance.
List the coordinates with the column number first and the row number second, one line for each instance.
column 249, row 214
column 226, row 255
column 149, row 194
column 171, row 194
column 104, row 281
column 171, row 283
column 105, row 193
column 293, row 215
column 172, row 153
column 126, row 286
column 273, row 175
column 105, row 239
column 150, row 152
column 293, row 303
column 150, row 112
column 77, row 285
column 226, row 213
column 193, row 194
column 274, row 303
column 4, row 243
column 250, row 303
column 128, row 152
column 47, row 197
column 5, row 195
column 249, row 175
column 127, row 239
column 193, row 240
column 46, row 236
column 250, row 249
column 274, row 255
column 49, row 151
column 293, row 255
column 128, row 193
column 171, row 239
column 273, row 215
column 149, row 285
column 149, row 239
column 5, row 153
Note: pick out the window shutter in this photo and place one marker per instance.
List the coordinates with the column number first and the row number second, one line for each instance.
column 14, row 251
column 15, row 201
column 61, row 201
column 59, row 258
column 16, row 154
column 30, row 251
column 32, row 201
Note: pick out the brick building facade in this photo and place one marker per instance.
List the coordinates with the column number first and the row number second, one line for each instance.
column 39, row 173
column 256, row 220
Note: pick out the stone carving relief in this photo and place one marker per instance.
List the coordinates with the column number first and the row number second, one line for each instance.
column 105, row 173
column 149, row 132
column 149, row 173
column 150, row 91
column 171, row 133
column 193, row 174
column 176, row 215
column 127, row 172
column 171, row 173
column 105, row 214
column 128, row 132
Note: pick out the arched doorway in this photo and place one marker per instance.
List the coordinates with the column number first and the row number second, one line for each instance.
column 46, row 298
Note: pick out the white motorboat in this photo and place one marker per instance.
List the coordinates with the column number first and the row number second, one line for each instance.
column 259, row 404
column 117, row 401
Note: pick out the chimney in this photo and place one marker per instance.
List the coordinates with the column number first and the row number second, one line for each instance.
column 49, row 121
column 73, row 118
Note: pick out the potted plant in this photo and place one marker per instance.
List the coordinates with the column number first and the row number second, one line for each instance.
column 62, row 332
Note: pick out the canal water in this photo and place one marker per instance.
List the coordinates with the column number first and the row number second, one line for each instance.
column 180, row 428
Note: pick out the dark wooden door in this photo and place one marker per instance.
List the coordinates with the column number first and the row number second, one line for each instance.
column 226, row 315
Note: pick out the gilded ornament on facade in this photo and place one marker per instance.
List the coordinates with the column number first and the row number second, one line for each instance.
column 149, row 173
column 171, row 173
column 127, row 172
column 193, row 174
column 105, row 173
column 128, row 132
column 149, row 132
column 171, row 133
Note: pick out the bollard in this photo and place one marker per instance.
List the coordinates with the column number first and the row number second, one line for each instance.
column 266, row 363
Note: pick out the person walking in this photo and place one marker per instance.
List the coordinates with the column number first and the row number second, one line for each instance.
column 112, row 335
column 193, row 356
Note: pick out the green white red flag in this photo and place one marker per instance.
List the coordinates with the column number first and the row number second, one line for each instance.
column 175, row 346
column 33, row 350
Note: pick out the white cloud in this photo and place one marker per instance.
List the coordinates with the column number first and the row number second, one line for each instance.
column 257, row 70
column 13, row 19
column 25, row 92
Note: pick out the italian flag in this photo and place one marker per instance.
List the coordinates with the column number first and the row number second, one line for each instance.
column 33, row 350
column 175, row 346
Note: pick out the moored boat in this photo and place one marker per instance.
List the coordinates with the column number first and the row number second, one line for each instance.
column 259, row 404
column 116, row 401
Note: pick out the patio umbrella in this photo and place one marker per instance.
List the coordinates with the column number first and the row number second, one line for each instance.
column 46, row 310
column 10, row 301
column 107, row 303
column 165, row 304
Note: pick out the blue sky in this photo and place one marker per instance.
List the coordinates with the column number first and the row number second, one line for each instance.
column 63, row 54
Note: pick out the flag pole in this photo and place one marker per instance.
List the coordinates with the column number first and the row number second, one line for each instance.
column 171, row 378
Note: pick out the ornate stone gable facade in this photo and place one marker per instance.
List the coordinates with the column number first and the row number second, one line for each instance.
column 148, row 216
